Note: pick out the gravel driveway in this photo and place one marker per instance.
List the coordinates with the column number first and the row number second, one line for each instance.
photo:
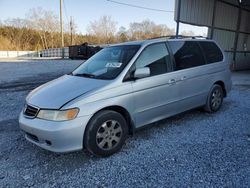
column 194, row 149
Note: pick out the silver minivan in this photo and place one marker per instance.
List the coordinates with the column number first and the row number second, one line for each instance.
column 122, row 88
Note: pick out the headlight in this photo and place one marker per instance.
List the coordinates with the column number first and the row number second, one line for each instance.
column 58, row 115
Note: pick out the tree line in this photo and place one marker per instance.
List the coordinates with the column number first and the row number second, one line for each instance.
column 41, row 30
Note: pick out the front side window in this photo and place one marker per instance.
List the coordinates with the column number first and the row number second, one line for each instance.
column 212, row 52
column 187, row 54
column 108, row 63
column 156, row 57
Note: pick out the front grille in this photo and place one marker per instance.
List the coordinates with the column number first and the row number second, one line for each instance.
column 30, row 111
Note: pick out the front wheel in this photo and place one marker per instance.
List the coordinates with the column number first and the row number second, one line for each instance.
column 215, row 99
column 105, row 133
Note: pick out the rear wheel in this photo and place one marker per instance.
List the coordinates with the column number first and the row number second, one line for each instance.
column 215, row 99
column 105, row 133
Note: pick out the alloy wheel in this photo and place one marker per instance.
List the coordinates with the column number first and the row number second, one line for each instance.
column 216, row 99
column 109, row 135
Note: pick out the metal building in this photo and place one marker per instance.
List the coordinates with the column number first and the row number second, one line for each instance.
column 228, row 22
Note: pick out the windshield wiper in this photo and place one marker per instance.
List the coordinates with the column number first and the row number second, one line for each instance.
column 86, row 75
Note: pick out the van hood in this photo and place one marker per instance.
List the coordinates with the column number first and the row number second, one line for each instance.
column 54, row 94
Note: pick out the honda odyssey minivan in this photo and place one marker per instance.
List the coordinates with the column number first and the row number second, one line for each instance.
column 122, row 88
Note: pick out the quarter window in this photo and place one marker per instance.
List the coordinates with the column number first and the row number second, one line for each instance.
column 187, row 54
column 212, row 52
column 156, row 57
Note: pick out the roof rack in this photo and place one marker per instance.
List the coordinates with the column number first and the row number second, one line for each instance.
column 180, row 37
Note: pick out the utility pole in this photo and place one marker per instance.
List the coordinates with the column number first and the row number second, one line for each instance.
column 71, row 31
column 61, row 24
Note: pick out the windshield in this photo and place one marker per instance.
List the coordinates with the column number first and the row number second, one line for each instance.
column 108, row 63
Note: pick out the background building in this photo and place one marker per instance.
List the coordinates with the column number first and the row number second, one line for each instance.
column 228, row 23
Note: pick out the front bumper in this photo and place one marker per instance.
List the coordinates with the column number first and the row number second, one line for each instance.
column 64, row 136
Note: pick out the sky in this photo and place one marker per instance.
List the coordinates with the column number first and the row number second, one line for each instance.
column 85, row 11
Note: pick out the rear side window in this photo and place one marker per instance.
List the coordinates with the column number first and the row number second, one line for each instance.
column 212, row 52
column 187, row 54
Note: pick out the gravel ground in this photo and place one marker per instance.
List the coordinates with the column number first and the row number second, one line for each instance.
column 34, row 70
column 194, row 149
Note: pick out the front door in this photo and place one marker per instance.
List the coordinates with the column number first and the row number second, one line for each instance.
column 156, row 96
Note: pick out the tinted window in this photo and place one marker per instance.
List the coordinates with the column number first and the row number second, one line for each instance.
column 187, row 54
column 156, row 57
column 212, row 52
column 108, row 63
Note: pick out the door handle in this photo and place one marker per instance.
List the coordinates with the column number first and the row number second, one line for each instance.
column 183, row 78
column 172, row 81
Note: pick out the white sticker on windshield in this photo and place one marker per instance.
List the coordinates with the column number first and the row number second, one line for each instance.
column 113, row 65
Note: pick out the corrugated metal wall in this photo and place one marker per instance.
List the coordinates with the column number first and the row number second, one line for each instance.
column 200, row 12
column 224, row 38
column 245, row 26
column 226, row 16
column 193, row 11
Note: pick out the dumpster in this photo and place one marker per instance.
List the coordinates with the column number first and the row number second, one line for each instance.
column 83, row 51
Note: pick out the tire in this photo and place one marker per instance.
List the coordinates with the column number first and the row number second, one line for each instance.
column 214, row 99
column 106, row 133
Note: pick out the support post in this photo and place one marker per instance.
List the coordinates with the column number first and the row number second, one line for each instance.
column 237, row 32
column 213, row 19
column 178, row 18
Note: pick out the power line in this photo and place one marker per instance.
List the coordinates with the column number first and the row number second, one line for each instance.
column 141, row 7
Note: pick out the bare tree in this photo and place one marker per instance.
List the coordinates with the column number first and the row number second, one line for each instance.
column 103, row 29
column 188, row 33
column 148, row 29
column 162, row 30
column 40, row 30
column 122, row 35
column 46, row 22
column 16, row 32
column 5, row 44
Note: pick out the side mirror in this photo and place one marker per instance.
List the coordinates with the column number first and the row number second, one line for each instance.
column 142, row 73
